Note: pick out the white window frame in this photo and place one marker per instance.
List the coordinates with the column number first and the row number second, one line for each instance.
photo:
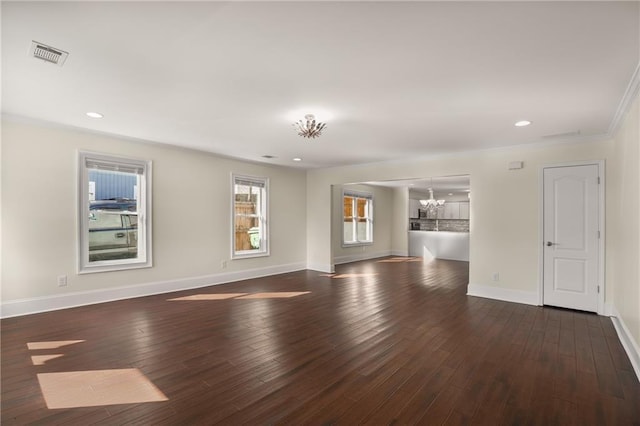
column 264, row 249
column 357, row 195
column 144, row 257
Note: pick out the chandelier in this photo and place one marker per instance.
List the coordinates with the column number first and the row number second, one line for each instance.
column 309, row 128
column 431, row 204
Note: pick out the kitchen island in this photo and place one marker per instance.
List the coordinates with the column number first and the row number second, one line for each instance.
column 439, row 245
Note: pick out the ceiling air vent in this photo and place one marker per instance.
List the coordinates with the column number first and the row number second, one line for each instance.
column 563, row 135
column 48, row 53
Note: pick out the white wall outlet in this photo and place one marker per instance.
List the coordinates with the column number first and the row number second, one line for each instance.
column 223, row 264
column 62, row 280
column 495, row 276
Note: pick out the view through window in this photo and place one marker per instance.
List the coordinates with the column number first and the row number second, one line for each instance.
column 357, row 218
column 114, row 209
column 250, row 196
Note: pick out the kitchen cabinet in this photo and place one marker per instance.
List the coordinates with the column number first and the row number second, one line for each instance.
column 464, row 211
column 451, row 210
column 414, row 207
column 455, row 210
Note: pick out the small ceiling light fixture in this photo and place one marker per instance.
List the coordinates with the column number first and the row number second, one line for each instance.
column 297, row 159
column 309, row 128
column 522, row 123
column 94, row 115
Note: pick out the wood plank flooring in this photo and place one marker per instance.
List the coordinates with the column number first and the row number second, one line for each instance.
column 386, row 341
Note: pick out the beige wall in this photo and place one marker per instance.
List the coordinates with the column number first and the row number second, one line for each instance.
column 400, row 222
column 623, row 210
column 191, row 212
column 505, row 216
column 382, row 223
column 319, row 249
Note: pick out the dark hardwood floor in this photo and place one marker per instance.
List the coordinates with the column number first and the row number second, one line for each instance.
column 380, row 342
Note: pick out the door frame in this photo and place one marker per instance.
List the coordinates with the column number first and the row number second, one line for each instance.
column 601, row 225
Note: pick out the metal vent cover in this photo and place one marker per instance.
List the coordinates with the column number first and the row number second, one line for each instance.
column 47, row 53
column 563, row 135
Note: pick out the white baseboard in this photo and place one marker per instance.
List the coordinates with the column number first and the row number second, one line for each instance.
column 321, row 267
column 20, row 307
column 508, row 295
column 360, row 256
column 400, row 253
column 628, row 342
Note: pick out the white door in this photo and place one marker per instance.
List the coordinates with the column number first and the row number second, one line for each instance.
column 571, row 246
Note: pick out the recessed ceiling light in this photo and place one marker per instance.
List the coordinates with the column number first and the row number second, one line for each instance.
column 297, row 159
column 522, row 123
column 94, row 115
column 451, row 193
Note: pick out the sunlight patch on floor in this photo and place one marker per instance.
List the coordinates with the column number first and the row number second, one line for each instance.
column 33, row 346
column 97, row 388
column 214, row 296
column 275, row 295
column 336, row 276
column 42, row 359
column 224, row 296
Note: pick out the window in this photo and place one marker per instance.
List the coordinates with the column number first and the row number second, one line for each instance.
column 250, row 208
column 114, row 213
column 357, row 223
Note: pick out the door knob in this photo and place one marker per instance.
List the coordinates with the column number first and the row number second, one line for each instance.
column 549, row 244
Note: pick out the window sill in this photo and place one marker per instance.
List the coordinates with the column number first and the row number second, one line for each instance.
column 249, row 255
column 358, row 244
column 107, row 266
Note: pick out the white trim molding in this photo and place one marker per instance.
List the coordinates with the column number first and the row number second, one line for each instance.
column 625, row 103
column 400, row 253
column 14, row 308
column 505, row 294
column 628, row 342
column 328, row 268
column 608, row 309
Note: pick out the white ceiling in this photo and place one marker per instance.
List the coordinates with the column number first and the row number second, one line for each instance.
column 419, row 187
column 391, row 79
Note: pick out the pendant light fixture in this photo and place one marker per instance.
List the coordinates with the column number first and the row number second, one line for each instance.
column 431, row 204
